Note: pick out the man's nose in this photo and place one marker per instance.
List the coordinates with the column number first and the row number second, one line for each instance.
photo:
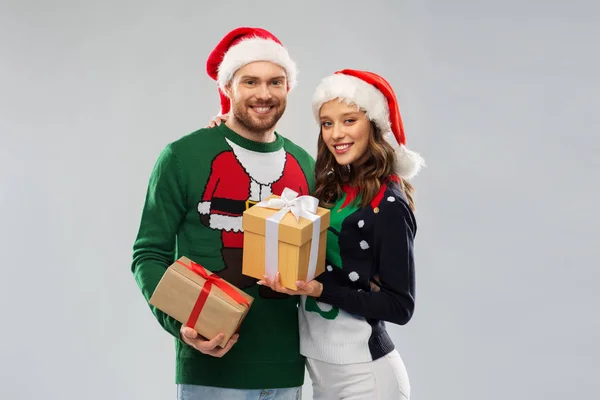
column 264, row 92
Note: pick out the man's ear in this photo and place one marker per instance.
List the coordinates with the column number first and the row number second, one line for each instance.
column 228, row 89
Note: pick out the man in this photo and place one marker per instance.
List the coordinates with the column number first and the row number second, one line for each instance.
column 198, row 190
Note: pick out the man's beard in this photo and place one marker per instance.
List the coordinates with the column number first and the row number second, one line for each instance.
column 257, row 124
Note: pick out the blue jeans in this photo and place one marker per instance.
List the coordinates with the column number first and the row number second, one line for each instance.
column 195, row 392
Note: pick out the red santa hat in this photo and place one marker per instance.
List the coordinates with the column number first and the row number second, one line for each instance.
column 374, row 95
column 243, row 46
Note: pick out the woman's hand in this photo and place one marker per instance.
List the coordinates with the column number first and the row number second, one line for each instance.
column 312, row 288
column 216, row 121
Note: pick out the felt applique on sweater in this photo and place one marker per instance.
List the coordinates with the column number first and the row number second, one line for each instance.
column 239, row 178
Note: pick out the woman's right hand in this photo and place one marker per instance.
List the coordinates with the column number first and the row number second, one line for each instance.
column 216, row 121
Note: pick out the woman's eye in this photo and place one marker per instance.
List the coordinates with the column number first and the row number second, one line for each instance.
column 350, row 121
column 326, row 124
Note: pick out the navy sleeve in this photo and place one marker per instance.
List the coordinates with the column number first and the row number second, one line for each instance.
column 394, row 233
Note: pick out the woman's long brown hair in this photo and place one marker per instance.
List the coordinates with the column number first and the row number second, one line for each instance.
column 380, row 164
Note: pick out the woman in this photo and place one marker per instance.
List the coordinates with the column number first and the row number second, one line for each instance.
column 362, row 169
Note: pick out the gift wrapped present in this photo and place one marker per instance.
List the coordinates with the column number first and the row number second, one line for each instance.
column 201, row 300
column 288, row 234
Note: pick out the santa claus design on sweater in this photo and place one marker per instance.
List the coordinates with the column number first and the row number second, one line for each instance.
column 239, row 179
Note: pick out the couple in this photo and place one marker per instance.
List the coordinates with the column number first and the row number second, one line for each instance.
column 202, row 183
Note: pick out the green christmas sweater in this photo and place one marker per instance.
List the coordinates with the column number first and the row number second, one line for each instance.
column 198, row 190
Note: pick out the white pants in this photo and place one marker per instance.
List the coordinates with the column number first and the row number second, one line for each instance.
column 382, row 379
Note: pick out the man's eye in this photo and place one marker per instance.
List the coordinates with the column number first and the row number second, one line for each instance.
column 277, row 83
column 250, row 82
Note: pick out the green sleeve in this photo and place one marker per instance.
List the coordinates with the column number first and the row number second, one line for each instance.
column 154, row 248
column 306, row 161
column 310, row 173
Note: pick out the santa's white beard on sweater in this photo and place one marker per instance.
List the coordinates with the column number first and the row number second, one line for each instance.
column 263, row 168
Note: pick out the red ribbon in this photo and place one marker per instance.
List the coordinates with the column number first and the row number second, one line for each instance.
column 211, row 279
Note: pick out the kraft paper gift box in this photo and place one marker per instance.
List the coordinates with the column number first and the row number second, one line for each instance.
column 201, row 300
column 288, row 234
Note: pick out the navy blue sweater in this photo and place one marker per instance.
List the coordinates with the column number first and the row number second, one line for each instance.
column 369, row 279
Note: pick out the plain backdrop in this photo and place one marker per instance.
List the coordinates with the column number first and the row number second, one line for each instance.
column 501, row 99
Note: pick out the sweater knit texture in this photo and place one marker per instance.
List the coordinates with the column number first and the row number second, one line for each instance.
column 198, row 190
column 369, row 279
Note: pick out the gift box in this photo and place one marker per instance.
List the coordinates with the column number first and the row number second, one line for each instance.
column 201, row 300
column 288, row 234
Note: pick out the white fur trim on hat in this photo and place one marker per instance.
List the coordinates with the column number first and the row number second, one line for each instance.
column 252, row 50
column 353, row 90
column 408, row 162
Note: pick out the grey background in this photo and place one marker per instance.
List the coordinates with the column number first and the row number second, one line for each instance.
column 499, row 97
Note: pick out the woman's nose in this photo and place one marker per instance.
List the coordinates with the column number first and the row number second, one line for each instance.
column 338, row 132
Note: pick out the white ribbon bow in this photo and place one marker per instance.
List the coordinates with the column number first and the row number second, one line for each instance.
column 289, row 201
column 303, row 206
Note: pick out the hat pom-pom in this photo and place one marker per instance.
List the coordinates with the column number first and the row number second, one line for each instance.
column 408, row 162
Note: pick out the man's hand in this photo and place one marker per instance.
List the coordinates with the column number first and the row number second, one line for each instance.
column 216, row 121
column 312, row 288
column 191, row 337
